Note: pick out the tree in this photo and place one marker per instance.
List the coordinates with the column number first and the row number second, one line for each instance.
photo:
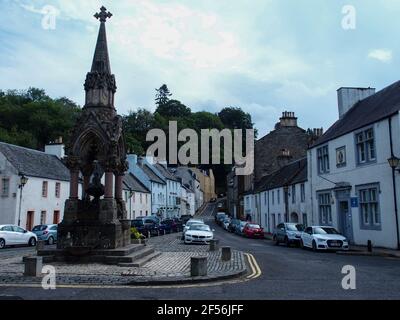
column 162, row 95
column 173, row 109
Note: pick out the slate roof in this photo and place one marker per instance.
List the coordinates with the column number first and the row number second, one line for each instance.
column 292, row 173
column 164, row 171
column 33, row 163
column 187, row 176
column 134, row 184
column 152, row 176
column 377, row 107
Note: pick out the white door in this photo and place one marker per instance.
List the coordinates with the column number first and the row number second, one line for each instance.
column 307, row 237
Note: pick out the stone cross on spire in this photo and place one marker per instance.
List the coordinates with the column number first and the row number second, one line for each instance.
column 103, row 14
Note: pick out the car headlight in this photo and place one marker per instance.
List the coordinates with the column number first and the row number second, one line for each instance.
column 321, row 240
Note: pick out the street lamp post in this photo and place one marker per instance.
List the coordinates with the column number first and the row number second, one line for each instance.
column 22, row 182
column 394, row 163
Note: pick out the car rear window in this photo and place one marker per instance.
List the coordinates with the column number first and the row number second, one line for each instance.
column 39, row 228
column 137, row 223
column 254, row 226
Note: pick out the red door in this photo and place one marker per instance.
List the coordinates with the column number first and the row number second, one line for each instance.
column 29, row 220
column 56, row 217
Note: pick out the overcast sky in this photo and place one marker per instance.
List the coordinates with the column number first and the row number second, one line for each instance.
column 265, row 56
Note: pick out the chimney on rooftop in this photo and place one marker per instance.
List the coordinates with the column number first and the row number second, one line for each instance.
column 288, row 119
column 56, row 148
column 348, row 97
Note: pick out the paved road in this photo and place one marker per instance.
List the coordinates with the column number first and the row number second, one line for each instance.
column 287, row 273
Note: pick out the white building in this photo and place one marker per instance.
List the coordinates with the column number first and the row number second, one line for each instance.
column 283, row 196
column 189, row 180
column 352, row 185
column 137, row 197
column 44, row 193
column 173, row 191
column 187, row 201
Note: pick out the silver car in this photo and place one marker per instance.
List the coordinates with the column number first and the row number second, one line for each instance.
column 288, row 233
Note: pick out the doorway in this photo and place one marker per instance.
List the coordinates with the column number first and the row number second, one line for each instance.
column 345, row 220
column 29, row 220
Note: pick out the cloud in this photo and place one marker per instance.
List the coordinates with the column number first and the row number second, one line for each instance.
column 383, row 55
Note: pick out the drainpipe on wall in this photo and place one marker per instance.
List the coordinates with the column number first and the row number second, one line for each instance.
column 394, row 185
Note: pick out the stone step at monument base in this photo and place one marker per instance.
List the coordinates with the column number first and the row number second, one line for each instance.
column 141, row 262
column 125, row 251
column 134, row 256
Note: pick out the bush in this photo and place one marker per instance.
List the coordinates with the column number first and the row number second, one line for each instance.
column 136, row 234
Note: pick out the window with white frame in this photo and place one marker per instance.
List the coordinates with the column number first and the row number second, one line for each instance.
column 369, row 206
column 365, row 146
column 341, row 157
column 5, row 187
column 303, row 192
column 58, row 190
column 305, row 222
column 323, row 159
column 265, row 198
column 325, row 208
column 279, row 196
column 273, row 197
column 43, row 217
column 44, row 189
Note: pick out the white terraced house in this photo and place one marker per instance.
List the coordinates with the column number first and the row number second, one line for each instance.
column 44, row 191
column 353, row 186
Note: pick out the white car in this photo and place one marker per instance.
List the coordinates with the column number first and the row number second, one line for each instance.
column 188, row 224
column 199, row 233
column 323, row 238
column 13, row 235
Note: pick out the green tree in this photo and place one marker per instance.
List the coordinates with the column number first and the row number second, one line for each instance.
column 162, row 95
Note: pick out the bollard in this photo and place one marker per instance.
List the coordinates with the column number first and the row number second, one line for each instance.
column 33, row 266
column 198, row 266
column 40, row 245
column 226, row 254
column 214, row 245
column 369, row 245
column 148, row 234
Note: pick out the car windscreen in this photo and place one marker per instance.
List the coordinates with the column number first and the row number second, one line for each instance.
column 199, row 227
column 325, row 230
column 294, row 227
column 39, row 228
column 137, row 223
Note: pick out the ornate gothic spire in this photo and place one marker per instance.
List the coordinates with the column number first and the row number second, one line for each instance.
column 100, row 84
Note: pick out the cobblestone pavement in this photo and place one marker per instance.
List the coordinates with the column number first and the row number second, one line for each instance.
column 174, row 262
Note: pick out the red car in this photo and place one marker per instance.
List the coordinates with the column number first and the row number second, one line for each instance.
column 253, row 230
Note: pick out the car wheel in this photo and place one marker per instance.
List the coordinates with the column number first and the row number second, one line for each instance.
column 2, row 243
column 32, row 242
column 287, row 243
column 314, row 246
column 50, row 240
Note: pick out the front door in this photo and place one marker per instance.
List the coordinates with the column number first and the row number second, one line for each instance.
column 345, row 220
column 29, row 220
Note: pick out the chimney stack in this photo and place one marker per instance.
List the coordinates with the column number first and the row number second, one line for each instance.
column 348, row 97
column 56, row 148
column 288, row 119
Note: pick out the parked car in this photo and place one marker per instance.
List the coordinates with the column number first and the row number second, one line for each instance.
column 188, row 224
column 233, row 224
column 226, row 222
column 46, row 232
column 14, row 235
column 288, row 233
column 217, row 215
column 199, row 233
column 145, row 226
column 239, row 227
column 213, row 200
column 185, row 218
column 323, row 238
column 221, row 216
column 170, row 225
column 152, row 217
column 253, row 230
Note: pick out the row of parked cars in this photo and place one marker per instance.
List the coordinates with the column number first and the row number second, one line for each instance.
column 240, row 227
column 314, row 237
column 11, row 235
column 154, row 226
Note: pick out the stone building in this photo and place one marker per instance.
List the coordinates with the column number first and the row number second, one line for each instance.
column 207, row 183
